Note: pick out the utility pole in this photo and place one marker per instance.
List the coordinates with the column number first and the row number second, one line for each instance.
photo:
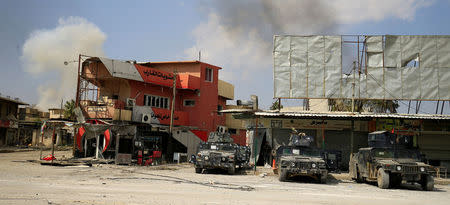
column 409, row 106
column 255, row 141
column 172, row 109
column 60, row 111
column 437, row 107
column 353, row 87
column 77, row 97
column 279, row 104
column 359, row 75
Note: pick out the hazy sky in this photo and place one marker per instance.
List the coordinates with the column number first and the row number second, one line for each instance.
column 235, row 35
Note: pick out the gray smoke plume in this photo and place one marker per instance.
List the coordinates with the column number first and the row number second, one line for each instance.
column 237, row 35
column 45, row 51
column 278, row 17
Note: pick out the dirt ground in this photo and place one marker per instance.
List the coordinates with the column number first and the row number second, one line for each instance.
column 23, row 182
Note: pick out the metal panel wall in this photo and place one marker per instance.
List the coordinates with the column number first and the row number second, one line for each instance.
column 398, row 67
column 304, row 65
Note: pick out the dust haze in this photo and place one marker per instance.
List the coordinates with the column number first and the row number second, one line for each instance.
column 238, row 35
column 45, row 51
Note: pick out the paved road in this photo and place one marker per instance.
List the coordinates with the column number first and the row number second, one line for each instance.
column 24, row 182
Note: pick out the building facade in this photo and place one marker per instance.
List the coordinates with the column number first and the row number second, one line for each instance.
column 347, row 132
column 143, row 94
column 9, row 120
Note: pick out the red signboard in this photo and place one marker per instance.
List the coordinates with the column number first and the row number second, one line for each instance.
column 157, row 77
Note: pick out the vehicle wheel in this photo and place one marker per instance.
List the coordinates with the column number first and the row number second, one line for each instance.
column 322, row 179
column 198, row 170
column 383, row 179
column 395, row 180
column 427, row 183
column 283, row 175
column 275, row 171
column 231, row 170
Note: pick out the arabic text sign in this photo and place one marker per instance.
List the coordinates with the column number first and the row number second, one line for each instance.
column 155, row 76
column 163, row 116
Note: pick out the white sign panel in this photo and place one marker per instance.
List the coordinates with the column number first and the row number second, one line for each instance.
column 396, row 67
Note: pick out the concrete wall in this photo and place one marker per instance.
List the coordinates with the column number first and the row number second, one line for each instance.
column 226, row 90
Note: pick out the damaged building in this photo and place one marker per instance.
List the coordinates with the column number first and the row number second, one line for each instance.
column 375, row 68
column 9, row 123
column 167, row 107
column 344, row 132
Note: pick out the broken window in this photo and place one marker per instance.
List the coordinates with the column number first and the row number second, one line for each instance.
column 412, row 62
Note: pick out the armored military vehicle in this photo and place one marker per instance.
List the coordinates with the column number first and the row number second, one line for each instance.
column 219, row 152
column 389, row 161
column 300, row 158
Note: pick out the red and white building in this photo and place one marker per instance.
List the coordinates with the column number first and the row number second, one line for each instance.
column 142, row 94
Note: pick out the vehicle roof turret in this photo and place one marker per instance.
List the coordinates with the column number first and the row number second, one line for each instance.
column 300, row 139
column 220, row 137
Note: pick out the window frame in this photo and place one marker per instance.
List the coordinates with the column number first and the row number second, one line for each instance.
column 156, row 101
column 187, row 100
column 209, row 74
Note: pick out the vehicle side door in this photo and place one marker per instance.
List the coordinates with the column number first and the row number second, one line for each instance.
column 362, row 163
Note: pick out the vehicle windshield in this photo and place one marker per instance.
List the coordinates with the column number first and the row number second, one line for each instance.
column 391, row 153
column 301, row 151
column 226, row 147
column 216, row 146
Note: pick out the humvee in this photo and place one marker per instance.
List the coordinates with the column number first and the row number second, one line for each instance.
column 299, row 158
column 219, row 152
column 390, row 164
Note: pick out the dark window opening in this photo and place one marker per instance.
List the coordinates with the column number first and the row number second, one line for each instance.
column 232, row 131
column 189, row 103
column 209, row 75
column 156, row 101
column 413, row 62
column 219, row 108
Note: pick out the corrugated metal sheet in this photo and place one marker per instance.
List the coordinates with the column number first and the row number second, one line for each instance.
column 17, row 101
column 237, row 110
column 308, row 67
column 121, row 69
column 350, row 115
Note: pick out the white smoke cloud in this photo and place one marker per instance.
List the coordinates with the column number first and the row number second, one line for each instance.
column 357, row 11
column 215, row 41
column 45, row 51
column 238, row 34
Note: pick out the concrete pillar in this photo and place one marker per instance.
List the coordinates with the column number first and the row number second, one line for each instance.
column 35, row 137
column 96, row 146
column 319, row 137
